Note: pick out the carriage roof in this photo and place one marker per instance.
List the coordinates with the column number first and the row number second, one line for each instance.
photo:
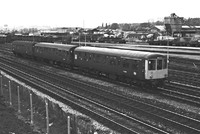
column 27, row 43
column 119, row 52
column 55, row 46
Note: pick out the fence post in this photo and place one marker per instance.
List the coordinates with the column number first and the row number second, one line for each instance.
column 47, row 115
column 75, row 125
column 1, row 85
column 18, row 96
column 10, row 94
column 31, row 103
column 68, row 125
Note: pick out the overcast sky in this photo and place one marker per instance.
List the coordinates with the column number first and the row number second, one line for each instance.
column 91, row 13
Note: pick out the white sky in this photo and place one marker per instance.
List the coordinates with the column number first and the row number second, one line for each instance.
column 91, row 13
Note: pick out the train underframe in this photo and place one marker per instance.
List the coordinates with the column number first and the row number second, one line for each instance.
column 131, row 81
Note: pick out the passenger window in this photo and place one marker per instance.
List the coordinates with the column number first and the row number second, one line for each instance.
column 90, row 57
column 125, row 64
column 104, row 59
column 152, row 65
column 135, row 64
column 85, row 57
column 112, row 62
column 164, row 63
column 98, row 58
column 118, row 62
column 159, row 64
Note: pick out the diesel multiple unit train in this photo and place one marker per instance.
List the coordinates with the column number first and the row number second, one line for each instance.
column 130, row 66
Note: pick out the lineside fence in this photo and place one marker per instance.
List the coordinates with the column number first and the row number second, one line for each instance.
column 41, row 111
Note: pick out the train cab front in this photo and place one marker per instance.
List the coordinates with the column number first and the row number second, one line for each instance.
column 156, row 71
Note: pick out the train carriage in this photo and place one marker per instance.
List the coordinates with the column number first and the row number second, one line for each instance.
column 127, row 65
column 23, row 48
column 54, row 52
column 115, row 63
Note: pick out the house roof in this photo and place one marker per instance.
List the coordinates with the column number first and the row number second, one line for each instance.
column 160, row 27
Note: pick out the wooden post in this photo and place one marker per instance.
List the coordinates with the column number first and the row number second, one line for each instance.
column 75, row 125
column 1, row 85
column 18, row 95
column 31, row 103
column 10, row 94
column 47, row 116
column 68, row 125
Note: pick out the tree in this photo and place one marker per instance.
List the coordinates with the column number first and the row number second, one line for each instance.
column 193, row 21
column 126, row 27
column 114, row 26
column 145, row 25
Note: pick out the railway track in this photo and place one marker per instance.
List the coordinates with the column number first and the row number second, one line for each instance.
column 184, row 93
column 186, row 65
column 185, row 77
column 113, row 118
column 184, row 86
column 126, row 106
column 173, row 90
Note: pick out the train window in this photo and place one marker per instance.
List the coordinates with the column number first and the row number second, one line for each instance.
column 159, row 64
column 125, row 64
column 90, row 57
column 75, row 56
column 94, row 57
column 152, row 65
column 118, row 61
column 85, row 57
column 112, row 62
column 98, row 58
column 134, row 66
column 164, row 63
column 104, row 59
